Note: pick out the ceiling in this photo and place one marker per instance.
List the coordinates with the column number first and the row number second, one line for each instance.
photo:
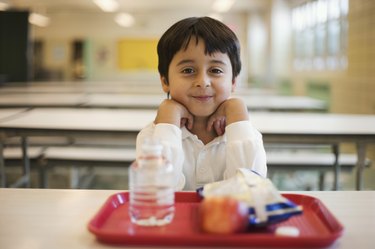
column 134, row 6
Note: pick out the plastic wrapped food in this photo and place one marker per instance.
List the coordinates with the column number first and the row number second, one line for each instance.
column 266, row 205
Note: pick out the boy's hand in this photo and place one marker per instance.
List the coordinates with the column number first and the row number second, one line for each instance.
column 230, row 111
column 172, row 112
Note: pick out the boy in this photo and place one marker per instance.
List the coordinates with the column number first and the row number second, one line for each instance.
column 206, row 134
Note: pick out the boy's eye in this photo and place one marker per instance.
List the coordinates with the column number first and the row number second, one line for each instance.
column 187, row 71
column 216, row 71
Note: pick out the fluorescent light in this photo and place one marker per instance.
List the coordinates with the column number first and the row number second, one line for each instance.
column 124, row 19
column 222, row 5
column 3, row 6
column 38, row 20
column 107, row 5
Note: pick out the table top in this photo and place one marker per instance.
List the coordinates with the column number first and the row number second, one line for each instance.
column 47, row 218
column 283, row 103
column 6, row 114
column 314, row 123
column 143, row 101
column 42, row 100
column 125, row 87
column 82, row 87
column 253, row 102
column 149, row 100
column 125, row 120
column 72, row 119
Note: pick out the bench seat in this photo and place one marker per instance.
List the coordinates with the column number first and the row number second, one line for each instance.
column 76, row 156
column 310, row 161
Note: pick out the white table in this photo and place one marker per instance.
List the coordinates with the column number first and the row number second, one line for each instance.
column 6, row 114
column 124, row 87
column 276, row 127
column 147, row 100
column 124, row 101
column 65, row 87
column 315, row 128
column 42, row 100
column 45, row 218
column 104, row 123
column 253, row 102
column 283, row 103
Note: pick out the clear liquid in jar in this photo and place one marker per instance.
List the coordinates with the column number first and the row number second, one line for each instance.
column 152, row 205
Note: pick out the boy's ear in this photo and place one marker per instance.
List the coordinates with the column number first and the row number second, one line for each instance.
column 234, row 84
column 164, row 84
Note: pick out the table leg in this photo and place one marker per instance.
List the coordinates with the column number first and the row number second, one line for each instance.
column 337, row 169
column 361, row 164
column 25, row 179
column 26, row 162
column 2, row 166
column 321, row 180
column 43, row 174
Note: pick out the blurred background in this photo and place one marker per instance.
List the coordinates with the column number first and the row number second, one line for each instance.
column 323, row 49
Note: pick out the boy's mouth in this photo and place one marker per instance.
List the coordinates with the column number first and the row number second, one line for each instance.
column 203, row 98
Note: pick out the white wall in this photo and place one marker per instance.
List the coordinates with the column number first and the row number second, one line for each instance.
column 257, row 37
column 101, row 31
column 281, row 39
column 269, row 44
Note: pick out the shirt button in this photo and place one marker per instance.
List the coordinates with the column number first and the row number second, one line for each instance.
column 202, row 170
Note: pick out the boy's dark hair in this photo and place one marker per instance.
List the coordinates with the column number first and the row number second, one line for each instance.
column 216, row 36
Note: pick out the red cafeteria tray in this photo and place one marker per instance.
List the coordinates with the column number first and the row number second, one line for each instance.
column 318, row 227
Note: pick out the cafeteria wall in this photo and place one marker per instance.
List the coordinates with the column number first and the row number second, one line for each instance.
column 351, row 90
column 102, row 36
column 267, row 51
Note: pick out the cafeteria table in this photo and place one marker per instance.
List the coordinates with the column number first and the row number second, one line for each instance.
column 86, row 87
column 51, row 218
column 300, row 128
column 42, row 100
column 253, row 102
column 10, row 113
column 112, row 87
column 149, row 101
column 5, row 115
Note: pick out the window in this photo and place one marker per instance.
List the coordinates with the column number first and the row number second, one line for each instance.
column 320, row 34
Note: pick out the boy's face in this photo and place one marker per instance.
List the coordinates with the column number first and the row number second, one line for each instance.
column 199, row 81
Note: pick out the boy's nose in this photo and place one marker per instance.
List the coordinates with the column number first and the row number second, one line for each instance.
column 203, row 80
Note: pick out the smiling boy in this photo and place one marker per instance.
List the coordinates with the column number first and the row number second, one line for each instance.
column 206, row 133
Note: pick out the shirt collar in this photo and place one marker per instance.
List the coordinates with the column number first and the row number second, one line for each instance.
column 187, row 134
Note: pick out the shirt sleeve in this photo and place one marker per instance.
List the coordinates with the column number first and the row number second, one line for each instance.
column 244, row 149
column 170, row 137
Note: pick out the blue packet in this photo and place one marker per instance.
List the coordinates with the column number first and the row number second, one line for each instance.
column 266, row 205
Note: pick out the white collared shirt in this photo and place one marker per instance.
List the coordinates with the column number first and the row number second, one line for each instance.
column 196, row 164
